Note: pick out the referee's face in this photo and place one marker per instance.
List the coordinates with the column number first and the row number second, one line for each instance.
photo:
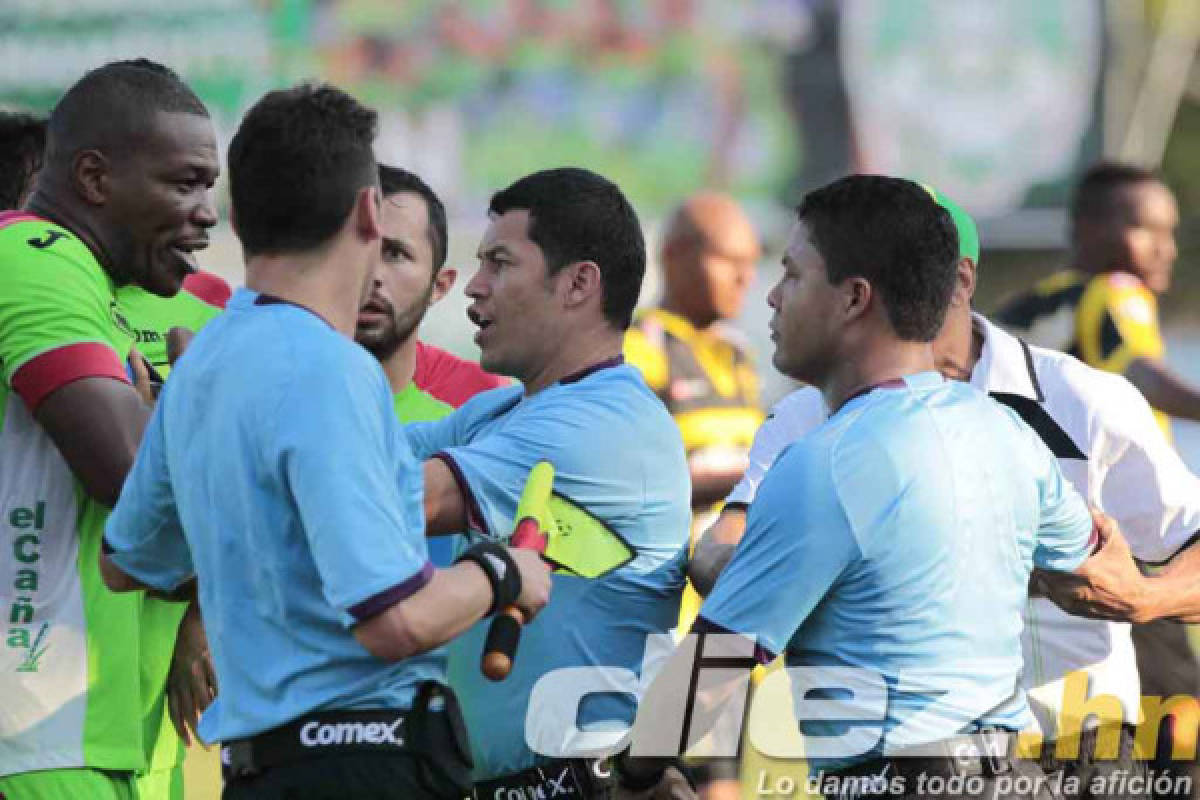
column 803, row 301
column 513, row 301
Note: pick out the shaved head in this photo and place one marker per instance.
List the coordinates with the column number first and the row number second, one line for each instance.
column 709, row 254
column 111, row 108
column 712, row 218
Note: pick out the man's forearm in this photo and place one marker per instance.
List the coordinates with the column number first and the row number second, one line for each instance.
column 710, row 486
column 1163, row 389
column 116, row 579
column 1175, row 591
column 715, row 548
column 445, row 506
column 707, row 562
column 186, row 592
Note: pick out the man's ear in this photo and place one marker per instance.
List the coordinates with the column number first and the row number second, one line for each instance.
column 443, row 282
column 583, row 282
column 856, row 294
column 368, row 214
column 91, row 177
column 964, row 290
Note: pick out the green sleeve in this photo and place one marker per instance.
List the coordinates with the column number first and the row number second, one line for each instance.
column 52, row 293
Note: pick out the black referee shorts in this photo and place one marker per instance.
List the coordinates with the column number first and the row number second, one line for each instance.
column 361, row 776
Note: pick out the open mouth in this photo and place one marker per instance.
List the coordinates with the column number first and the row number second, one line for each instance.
column 477, row 318
column 185, row 250
column 481, row 321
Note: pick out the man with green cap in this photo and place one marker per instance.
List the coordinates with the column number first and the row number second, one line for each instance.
column 1080, row 673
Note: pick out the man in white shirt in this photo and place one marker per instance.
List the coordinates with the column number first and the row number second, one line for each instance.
column 1111, row 450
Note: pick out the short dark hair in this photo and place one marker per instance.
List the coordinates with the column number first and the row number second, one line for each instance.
column 1095, row 194
column 22, row 143
column 576, row 215
column 296, row 166
column 394, row 180
column 892, row 233
column 109, row 108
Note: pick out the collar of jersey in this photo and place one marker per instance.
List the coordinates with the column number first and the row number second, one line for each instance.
column 246, row 299
column 1004, row 365
column 575, row 377
column 916, row 380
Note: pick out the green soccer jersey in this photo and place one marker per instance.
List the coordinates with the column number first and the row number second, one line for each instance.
column 151, row 317
column 69, row 664
column 414, row 405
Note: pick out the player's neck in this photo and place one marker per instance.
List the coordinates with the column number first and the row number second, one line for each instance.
column 1089, row 260
column 884, row 361
column 958, row 346
column 401, row 365
column 313, row 281
column 584, row 351
column 700, row 322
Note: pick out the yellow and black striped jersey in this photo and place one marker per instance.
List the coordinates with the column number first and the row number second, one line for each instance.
column 705, row 379
column 709, row 385
column 1105, row 320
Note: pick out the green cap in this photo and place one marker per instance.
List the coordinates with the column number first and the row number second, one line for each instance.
column 968, row 234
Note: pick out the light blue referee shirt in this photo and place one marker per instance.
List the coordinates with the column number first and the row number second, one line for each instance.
column 618, row 454
column 275, row 471
column 897, row 540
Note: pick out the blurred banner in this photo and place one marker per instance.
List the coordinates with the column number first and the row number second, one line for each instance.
column 222, row 47
column 996, row 103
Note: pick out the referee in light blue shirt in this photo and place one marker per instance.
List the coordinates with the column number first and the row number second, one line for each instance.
column 274, row 471
column 561, row 264
column 888, row 552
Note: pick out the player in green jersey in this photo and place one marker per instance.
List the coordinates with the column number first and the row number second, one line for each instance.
column 151, row 318
column 122, row 198
column 410, row 276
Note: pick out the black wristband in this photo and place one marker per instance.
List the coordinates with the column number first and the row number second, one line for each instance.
column 638, row 781
column 501, row 572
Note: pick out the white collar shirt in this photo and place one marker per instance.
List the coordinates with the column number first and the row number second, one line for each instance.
column 1112, row 451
